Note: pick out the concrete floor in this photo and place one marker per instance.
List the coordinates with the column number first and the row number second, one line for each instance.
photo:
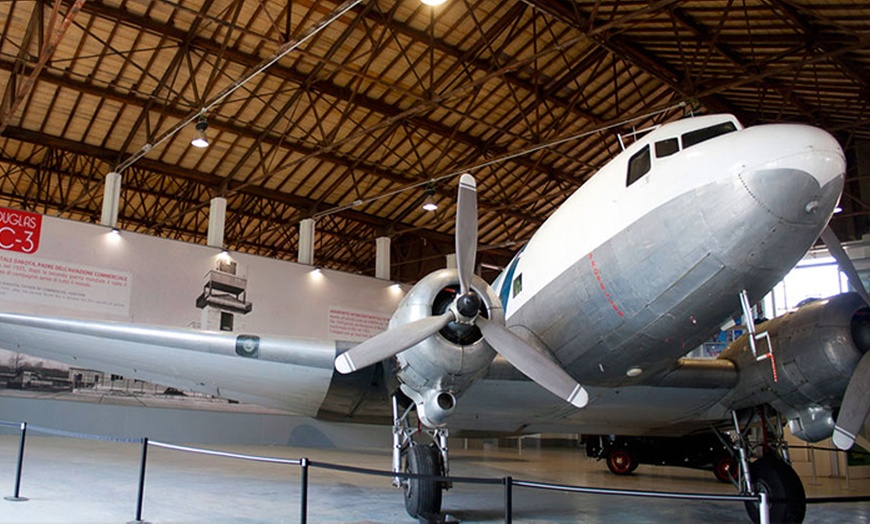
column 69, row 480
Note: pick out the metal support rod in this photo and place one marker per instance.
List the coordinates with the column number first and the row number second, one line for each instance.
column 16, row 496
column 508, row 499
column 303, row 503
column 141, row 494
column 741, row 454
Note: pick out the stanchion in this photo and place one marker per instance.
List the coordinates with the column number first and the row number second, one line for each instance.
column 141, row 494
column 508, row 499
column 16, row 497
column 763, row 509
column 303, row 505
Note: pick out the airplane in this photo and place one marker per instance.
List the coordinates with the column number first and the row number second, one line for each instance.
column 587, row 328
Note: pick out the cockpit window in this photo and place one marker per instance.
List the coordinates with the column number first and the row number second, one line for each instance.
column 667, row 147
column 696, row 137
column 638, row 165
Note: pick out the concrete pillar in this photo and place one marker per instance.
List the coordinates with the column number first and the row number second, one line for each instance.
column 451, row 261
column 306, row 242
column 217, row 219
column 111, row 199
column 382, row 258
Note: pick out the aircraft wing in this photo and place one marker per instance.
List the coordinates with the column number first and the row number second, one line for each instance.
column 287, row 373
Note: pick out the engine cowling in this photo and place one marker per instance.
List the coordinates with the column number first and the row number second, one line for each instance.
column 816, row 349
column 436, row 372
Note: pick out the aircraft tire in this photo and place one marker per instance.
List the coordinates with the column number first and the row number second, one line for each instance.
column 621, row 461
column 423, row 496
column 788, row 501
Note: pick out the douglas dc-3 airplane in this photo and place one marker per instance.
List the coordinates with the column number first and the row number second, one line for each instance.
column 679, row 233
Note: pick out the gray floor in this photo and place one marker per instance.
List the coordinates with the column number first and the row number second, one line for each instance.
column 69, row 480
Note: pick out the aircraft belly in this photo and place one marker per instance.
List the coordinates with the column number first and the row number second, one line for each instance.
column 523, row 407
column 662, row 285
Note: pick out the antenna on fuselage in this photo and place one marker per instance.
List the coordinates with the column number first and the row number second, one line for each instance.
column 635, row 134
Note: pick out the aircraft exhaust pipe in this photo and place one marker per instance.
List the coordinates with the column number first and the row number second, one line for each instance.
column 436, row 408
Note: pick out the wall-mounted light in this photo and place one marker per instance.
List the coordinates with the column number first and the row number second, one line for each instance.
column 199, row 137
column 429, row 204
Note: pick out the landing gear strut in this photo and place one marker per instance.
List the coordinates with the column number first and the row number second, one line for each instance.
column 422, row 495
column 771, row 474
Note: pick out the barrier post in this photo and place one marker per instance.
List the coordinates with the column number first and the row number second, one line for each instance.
column 763, row 509
column 508, row 499
column 141, row 494
column 303, row 505
column 15, row 497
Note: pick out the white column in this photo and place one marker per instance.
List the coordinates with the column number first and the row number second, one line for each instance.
column 382, row 258
column 217, row 219
column 451, row 261
column 111, row 199
column 306, row 242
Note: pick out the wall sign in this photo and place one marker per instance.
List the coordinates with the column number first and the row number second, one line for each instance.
column 19, row 230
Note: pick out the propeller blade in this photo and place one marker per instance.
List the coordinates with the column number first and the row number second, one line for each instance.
column 532, row 363
column 836, row 249
column 855, row 407
column 390, row 342
column 466, row 231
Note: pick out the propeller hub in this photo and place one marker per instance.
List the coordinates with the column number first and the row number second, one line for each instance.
column 468, row 305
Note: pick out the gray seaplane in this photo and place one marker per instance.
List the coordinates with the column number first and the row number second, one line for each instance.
column 585, row 331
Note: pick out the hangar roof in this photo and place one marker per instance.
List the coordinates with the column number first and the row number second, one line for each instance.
column 349, row 112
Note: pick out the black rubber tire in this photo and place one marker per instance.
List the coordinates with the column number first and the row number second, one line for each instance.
column 422, row 496
column 621, row 461
column 725, row 469
column 788, row 501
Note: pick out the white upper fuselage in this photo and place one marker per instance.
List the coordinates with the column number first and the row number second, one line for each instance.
column 737, row 202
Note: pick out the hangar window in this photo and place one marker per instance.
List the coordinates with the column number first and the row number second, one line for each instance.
column 696, row 137
column 667, row 147
column 638, row 165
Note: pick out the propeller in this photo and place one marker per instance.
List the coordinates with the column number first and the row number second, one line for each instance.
column 466, row 310
column 855, row 406
column 856, row 401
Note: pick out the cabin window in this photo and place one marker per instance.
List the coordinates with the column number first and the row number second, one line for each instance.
column 638, row 165
column 667, row 147
column 696, row 137
column 518, row 285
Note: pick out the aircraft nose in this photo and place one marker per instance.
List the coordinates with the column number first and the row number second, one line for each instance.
column 803, row 181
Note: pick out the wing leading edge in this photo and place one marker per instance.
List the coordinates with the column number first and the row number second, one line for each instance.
column 287, row 373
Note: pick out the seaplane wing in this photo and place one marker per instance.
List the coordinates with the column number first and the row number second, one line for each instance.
column 587, row 328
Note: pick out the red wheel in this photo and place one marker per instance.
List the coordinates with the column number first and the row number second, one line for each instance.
column 621, row 462
column 725, row 469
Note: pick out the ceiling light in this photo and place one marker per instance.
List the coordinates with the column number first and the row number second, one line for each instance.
column 199, row 138
column 429, row 204
column 433, row 2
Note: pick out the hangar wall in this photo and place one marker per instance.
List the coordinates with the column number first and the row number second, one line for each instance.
column 57, row 267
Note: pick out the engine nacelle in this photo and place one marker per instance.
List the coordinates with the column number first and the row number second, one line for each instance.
column 816, row 348
column 435, row 372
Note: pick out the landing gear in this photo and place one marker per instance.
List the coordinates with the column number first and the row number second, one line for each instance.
column 788, row 501
column 422, row 495
column 771, row 473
